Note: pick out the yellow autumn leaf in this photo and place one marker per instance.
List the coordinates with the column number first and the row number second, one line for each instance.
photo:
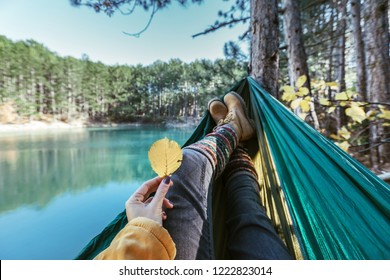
column 295, row 103
column 336, row 137
column 343, row 145
column 332, row 84
column 165, row 156
column 385, row 114
column 301, row 81
column 331, row 109
column 324, row 102
column 343, row 132
column 356, row 113
column 305, row 105
column 287, row 96
column 343, row 103
column 288, row 89
column 341, row 96
column 303, row 91
column 302, row 115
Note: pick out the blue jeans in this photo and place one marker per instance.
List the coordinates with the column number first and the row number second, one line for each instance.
column 251, row 235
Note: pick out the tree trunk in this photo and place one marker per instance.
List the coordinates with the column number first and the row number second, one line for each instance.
column 296, row 54
column 264, row 62
column 339, row 62
column 378, row 70
column 297, row 59
column 359, row 49
column 329, row 77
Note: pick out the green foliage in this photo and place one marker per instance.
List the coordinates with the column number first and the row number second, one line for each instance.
column 40, row 83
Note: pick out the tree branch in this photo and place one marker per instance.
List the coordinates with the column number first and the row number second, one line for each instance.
column 215, row 27
column 138, row 34
column 385, row 141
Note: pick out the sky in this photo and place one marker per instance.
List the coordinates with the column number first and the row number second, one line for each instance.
column 71, row 31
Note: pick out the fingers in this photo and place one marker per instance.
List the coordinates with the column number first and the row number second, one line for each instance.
column 145, row 190
column 167, row 203
column 162, row 190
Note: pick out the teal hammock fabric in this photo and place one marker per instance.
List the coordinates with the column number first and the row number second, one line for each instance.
column 336, row 208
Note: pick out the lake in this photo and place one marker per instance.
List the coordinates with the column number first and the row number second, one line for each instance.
column 60, row 189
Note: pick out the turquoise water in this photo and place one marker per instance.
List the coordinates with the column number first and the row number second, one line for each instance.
column 58, row 190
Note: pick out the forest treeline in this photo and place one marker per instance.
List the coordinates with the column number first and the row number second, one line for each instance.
column 39, row 84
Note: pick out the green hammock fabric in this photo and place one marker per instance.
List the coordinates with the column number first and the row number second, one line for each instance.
column 323, row 203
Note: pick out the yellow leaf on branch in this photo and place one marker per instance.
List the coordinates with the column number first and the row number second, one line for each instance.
column 356, row 113
column 343, row 132
column 302, row 115
column 332, row 84
column 343, row 145
column 165, row 157
column 288, row 89
column 324, row 102
column 287, row 96
column 303, row 91
column 289, row 93
column 295, row 103
column 301, row 81
column 336, row 137
column 305, row 105
column 331, row 109
column 341, row 96
column 385, row 114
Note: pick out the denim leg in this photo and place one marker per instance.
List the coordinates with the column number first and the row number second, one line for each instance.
column 250, row 231
column 188, row 222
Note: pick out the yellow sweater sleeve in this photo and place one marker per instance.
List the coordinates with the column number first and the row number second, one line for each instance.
column 140, row 239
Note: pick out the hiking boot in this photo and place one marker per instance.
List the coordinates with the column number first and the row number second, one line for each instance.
column 218, row 110
column 238, row 116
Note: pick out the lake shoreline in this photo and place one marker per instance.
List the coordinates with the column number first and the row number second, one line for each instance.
column 33, row 126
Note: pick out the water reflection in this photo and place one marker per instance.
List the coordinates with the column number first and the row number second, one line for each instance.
column 42, row 175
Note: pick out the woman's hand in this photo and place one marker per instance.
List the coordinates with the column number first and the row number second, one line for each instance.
column 140, row 205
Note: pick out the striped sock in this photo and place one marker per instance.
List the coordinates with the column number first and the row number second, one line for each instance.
column 218, row 146
column 240, row 161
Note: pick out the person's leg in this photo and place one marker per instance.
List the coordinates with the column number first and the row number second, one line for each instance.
column 188, row 222
column 250, row 231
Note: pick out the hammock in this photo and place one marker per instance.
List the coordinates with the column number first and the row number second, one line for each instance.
column 323, row 203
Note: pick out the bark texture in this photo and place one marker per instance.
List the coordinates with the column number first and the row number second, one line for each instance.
column 378, row 70
column 359, row 48
column 297, row 58
column 264, row 62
